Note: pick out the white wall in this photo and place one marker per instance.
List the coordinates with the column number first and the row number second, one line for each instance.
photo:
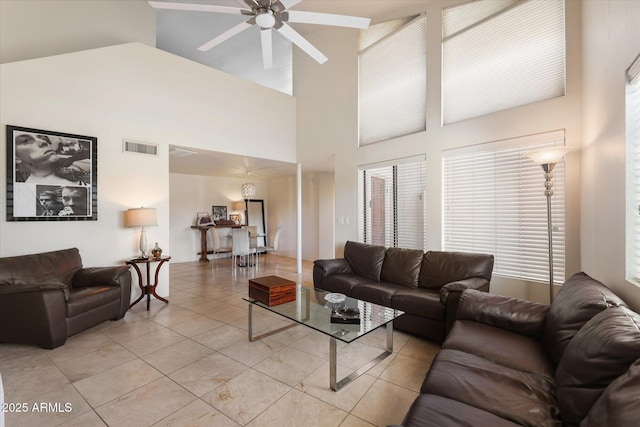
column 136, row 92
column 190, row 194
column 317, row 214
column 611, row 41
column 38, row 28
column 327, row 124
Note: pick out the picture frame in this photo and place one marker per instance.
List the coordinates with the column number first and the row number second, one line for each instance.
column 235, row 218
column 204, row 219
column 51, row 176
column 219, row 212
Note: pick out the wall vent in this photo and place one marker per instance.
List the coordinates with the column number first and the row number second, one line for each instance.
column 139, row 147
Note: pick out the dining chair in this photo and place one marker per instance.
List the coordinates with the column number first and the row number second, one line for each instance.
column 240, row 246
column 274, row 247
column 217, row 245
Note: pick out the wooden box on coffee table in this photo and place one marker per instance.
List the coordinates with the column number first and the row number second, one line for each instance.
column 272, row 290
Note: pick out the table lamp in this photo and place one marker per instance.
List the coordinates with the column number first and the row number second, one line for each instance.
column 239, row 207
column 141, row 217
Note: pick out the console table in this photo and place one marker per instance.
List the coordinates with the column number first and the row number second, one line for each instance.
column 148, row 289
column 203, row 238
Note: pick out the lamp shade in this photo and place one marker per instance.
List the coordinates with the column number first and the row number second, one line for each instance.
column 546, row 156
column 238, row 206
column 140, row 217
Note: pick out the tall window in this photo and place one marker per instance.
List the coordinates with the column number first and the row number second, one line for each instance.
column 392, row 79
column 500, row 54
column 633, row 172
column 391, row 203
column 494, row 203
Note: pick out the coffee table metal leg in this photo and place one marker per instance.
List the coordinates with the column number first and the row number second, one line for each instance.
column 333, row 362
column 266, row 334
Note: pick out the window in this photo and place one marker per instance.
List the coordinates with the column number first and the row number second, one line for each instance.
column 500, row 54
column 633, row 172
column 391, row 203
column 494, row 202
column 392, row 79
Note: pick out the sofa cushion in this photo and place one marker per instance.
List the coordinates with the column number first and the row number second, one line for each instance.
column 82, row 300
column 421, row 302
column 378, row 293
column 601, row 351
column 579, row 299
column 437, row 411
column 619, row 404
column 342, row 283
column 440, row 268
column 500, row 346
column 365, row 260
column 402, row 266
column 521, row 397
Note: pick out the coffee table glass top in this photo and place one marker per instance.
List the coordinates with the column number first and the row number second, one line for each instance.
column 311, row 309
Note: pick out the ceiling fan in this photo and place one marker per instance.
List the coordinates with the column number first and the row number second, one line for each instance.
column 268, row 14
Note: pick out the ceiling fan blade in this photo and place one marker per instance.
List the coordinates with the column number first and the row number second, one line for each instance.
column 225, row 36
column 290, row 3
column 302, row 43
column 200, row 8
column 250, row 3
column 300, row 17
column 277, row 6
column 267, row 47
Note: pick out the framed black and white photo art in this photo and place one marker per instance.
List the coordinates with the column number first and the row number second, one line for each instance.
column 51, row 176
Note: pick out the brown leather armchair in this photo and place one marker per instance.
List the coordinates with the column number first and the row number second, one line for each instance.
column 47, row 297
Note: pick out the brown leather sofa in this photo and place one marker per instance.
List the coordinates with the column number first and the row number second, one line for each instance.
column 47, row 297
column 426, row 286
column 509, row 362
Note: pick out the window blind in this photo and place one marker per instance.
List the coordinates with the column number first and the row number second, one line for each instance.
column 392, row 80
column 633, row 172
column 494, row 202
column 500, row 54
column 391, row 203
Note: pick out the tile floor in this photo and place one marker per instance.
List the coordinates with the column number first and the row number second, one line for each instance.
column 189, row 363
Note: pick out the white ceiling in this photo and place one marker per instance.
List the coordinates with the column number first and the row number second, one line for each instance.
column 181, row 32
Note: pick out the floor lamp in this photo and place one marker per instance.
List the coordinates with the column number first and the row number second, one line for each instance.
column 548, row 158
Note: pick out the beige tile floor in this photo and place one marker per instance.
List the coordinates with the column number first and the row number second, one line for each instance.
column 189, row 363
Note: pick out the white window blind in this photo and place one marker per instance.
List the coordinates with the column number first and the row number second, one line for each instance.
column 392, row 79
column 494, row 202
column 633, row 172
column 391, row 203
column 500, row 54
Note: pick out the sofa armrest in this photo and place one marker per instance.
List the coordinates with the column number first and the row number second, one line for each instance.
column 34, row 314
column 35, row 287
column 451, row 292
column 512, row 314
column 110, row 276
column 101, row 276
column 458, row 286
column 326, row 267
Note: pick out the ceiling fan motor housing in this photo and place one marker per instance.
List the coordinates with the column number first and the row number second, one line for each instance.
column 265, row 18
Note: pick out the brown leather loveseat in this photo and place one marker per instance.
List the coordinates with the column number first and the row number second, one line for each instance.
column 509, row 362
column 46, row 297
column 426, row 286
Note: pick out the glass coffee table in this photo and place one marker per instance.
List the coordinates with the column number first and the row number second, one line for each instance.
column 311, row 310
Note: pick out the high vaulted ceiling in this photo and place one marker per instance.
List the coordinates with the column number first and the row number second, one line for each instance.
column 181, row 32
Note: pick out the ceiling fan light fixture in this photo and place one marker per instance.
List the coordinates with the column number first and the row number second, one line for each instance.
column 265, row 18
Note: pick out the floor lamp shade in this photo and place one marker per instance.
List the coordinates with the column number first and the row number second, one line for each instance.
column 141, row 217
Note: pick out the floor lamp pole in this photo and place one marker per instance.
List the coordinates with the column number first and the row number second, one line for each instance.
column 548, row 191
column 548, row 158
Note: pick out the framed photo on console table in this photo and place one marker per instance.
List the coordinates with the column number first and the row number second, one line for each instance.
column 51, row 176
column 219, row 212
